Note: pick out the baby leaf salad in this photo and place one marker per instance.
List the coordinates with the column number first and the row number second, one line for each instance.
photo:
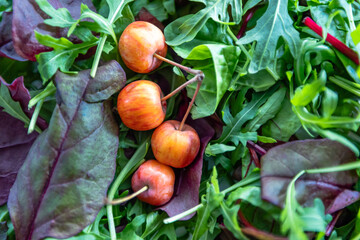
column 277, row 115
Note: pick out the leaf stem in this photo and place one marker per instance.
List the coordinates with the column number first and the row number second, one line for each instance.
column 129, row 197
column 99, row 50
column 183, row 214
column 351, row 54
column 241, row 183
column 34, row 117
column 138, row 156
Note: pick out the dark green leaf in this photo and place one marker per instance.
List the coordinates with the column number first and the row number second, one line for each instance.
column 215, row 9
column 275, row 23
column 220, row 64
column 233, row 128
column 267, row 111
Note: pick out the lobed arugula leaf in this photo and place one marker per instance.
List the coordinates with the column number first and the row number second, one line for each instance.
column 63, row 56
column 232, row 130
column 214, row 9
column 267, row 111
column 275, row 23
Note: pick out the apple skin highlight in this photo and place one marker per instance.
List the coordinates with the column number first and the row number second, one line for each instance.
column 160, row 179
column 174, row 147
column 140, row 107
column 137, row 45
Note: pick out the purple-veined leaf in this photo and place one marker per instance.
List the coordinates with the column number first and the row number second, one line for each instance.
column 186, row 194
column 14, row 140
column 28, row 17
column 280, row 164
column 64, row 179
column 6, row 44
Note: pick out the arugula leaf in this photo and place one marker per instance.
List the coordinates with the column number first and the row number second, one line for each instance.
column 284, row 124
column 232, row 130
column 12, row 107
column 63, row 56
column 275, row 23
column 210, row 202
column 215, row 9
column 59, row 17
column 267, row 111
column 220, row 64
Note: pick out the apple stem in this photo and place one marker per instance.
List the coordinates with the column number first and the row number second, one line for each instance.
column 129, row 197
column 187, row 69
column 199, row 76
column 190, row 105
column 194, row 79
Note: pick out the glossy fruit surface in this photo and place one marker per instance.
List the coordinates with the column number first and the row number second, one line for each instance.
column 160, row 179
column 137, row 45
column 140, row 107
column 173, row 147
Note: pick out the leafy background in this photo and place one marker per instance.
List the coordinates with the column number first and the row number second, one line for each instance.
column 277, row 113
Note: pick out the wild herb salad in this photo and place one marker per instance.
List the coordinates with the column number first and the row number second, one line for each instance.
column 275, row 86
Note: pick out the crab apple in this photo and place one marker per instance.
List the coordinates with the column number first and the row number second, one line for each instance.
column 137, row 45
column 174, row 147
column 160, row 180
column 140, row 106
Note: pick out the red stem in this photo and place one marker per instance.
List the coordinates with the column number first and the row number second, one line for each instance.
column 331, row 225
column 245, row 20
column 332, row 40
column 257, row 148
column 254, row 157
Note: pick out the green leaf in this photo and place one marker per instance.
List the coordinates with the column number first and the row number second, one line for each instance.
column 284, row 124
column 306, row 93
column 130, row 230
column 355, row 35
column 59, row 17
column 12, row 107
column 290, row 218
column 218, row 63
column 63, row 55
column 214, row 149
column 210, row 203
column 215, row 9
column 267, row 111
column 153, row 222
column 249, row 111
column 115, row 9
column 264, row 139
column 100, row 23
column 230, row 215
column 329, row 102
column 275, row 23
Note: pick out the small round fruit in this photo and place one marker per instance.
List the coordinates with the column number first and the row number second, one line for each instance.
column 173, row 147
column 159, row 178
column 137, row 45
column 140, row 107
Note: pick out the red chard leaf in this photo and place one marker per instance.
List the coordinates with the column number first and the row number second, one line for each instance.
column 280, row 164
column 6, row 44
column 14, row 140
column 63, row 182
column 186, row 194
column 28, row 17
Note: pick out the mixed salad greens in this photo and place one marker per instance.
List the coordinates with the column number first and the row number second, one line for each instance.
column 278, row 117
